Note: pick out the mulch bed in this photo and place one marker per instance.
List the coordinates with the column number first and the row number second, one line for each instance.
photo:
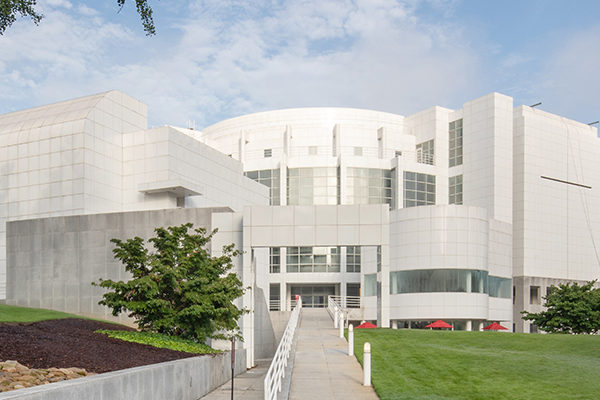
column 67, row 343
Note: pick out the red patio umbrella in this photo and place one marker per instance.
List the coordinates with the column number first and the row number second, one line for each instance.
column 495, row 327
column 439, row 324
column 366, row 325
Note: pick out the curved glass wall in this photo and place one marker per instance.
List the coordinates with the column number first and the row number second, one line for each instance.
column 308, row 186
column 369, row 186
column 439, row 280
column 499, row 287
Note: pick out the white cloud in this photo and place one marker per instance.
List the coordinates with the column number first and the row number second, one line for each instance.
column 232, row 58
column 57, row 3
column 85, row 10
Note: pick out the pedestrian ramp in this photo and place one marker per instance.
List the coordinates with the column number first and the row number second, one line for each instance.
column 322, row 368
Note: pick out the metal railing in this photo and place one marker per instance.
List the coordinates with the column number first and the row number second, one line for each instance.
column 345, row 301
column 350, row 307
column 276, row 371
column 274, row 305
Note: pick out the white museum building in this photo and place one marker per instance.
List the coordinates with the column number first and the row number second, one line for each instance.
column 465, row 215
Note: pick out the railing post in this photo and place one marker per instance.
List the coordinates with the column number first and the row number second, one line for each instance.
column 341, row 324
column 367, row 364
column 350, row 340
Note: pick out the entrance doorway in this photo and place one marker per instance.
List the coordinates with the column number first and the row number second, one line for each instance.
column 313, row 296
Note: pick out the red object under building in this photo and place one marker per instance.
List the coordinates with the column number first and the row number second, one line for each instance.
column 439, row 324
column 495, row 327
column 366, row 325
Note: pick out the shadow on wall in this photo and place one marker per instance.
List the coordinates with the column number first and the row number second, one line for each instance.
column 265, row 342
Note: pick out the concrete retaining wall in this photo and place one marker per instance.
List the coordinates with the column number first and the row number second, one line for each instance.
column 53, row 261
column 186, row 379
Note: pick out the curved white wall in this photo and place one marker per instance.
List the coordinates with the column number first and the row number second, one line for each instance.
column 446, row 237
column 442, row 236
column 294, row 131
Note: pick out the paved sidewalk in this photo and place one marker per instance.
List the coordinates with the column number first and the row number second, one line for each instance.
column 247, row 386
column 322, row 368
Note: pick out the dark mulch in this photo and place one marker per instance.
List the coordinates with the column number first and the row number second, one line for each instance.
column 67, row 343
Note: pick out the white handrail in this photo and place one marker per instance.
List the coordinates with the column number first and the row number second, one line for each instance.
column 276, row 371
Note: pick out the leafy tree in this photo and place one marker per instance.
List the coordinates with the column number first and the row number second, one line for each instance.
column 570, row 308
column 178, row 289
column 26, row 8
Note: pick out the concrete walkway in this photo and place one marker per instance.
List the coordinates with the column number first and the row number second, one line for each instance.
column 322, row 367
column 247, row 386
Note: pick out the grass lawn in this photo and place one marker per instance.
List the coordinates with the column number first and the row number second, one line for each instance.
column 24, row 314
column 425, row 364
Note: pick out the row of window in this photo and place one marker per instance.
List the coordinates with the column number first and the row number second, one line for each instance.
column 314, row 259
column 425, row 151
column 449, row 280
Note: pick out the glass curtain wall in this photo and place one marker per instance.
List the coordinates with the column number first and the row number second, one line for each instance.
column 455, row 157
column 269, row 178
column 308, row 186
column 455, row 189
column 419, row 189
column 439, row 280
column 369, row 186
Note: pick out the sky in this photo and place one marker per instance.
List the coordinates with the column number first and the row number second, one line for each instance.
column 216, row 59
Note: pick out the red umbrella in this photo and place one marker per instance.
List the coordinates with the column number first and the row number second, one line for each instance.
column 366, row 325
column 439, row 324
column 495, row 327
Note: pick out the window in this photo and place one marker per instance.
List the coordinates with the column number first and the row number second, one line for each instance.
column 455, row 189
column 398, row 153
column 268, row 153
column 307, row 186
column 312, row 150
column 313, row 259
column 358, row 151
column 533, row 328
column 371, row 285
column 269, row 178
column 499, row 287
column 353, row 289
column 439, row 280
column 352, row 294
column 419, row 189
column 426, row 152
column 456, row 141
column 274, row 260
column 353, row 259
column 274, row 297
column 534, row 295
column 369, row 186
column 514, row 294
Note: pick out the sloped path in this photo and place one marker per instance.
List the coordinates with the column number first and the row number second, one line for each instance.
column 322, row 367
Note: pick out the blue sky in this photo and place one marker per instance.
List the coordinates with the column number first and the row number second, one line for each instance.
column 215, row 59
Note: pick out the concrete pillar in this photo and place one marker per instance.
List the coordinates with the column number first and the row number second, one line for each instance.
column 469, row 325
column 394, row 324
